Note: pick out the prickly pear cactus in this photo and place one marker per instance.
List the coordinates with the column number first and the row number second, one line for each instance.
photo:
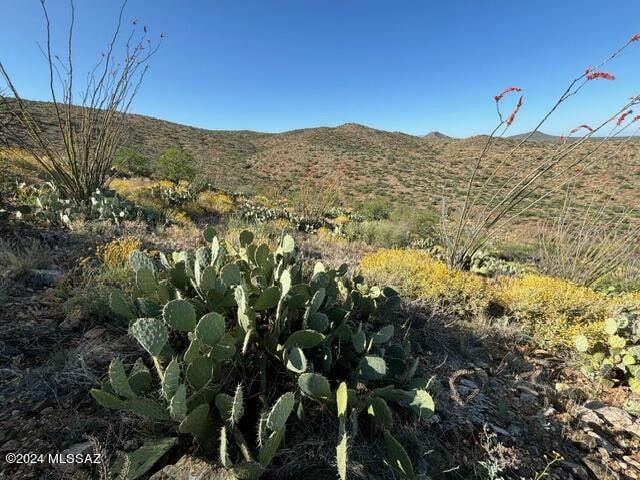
column 616, row 359
column 218, row 324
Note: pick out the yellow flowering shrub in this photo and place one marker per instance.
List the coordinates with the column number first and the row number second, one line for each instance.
column 115, row 254
column 215, row 202
column 553, row 310
column 417, row 274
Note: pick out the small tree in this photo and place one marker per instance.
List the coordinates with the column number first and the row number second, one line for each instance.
column 176, row 164
column 89, row 127
column 131, row 162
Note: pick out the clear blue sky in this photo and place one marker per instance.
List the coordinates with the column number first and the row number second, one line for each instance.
column 412, row 66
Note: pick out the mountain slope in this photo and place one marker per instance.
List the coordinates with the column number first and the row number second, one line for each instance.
column 406, row 169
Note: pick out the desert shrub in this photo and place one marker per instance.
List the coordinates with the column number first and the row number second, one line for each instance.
column 115, row 254
column 552, row 310
column 133, row 163
column 417, row 274
column 17, row 258
column 382, row 233
column 241, row 337
column 215, row 202
column 176, row 164
column 615, row 358
column 376, row 209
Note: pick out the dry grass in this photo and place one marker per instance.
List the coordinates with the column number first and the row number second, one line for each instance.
column 17, row 258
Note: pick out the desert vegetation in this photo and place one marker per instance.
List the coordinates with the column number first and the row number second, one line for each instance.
column 243, row 305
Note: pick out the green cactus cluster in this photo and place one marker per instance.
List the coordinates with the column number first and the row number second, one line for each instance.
column 616, row 359
column 488, row 265
column 46, row 203
column 260, row 214
column 238, row 339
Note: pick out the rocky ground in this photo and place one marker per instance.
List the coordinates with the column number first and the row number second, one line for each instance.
column 502, row 409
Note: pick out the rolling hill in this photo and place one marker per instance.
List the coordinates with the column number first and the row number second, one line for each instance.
column 405, row 169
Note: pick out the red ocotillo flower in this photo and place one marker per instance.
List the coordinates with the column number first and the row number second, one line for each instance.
column 512, row 117
column 499, row 96
column 635, row 119
column 586, row 127
column 604, row 75
column 622, row 117
column 635, row 38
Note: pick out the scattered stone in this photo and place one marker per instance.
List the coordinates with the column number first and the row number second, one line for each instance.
column 602, row 443
column 600, row 471
column 10, row 446
column 633, row 461
column 603, row 415
column 578, row 471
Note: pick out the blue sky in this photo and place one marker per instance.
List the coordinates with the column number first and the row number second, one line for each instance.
column 412, row 66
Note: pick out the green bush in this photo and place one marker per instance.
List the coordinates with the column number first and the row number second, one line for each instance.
column 176, row 164
column 382, row 233
column 133, row 163
column 377, row 209
column 240, row 338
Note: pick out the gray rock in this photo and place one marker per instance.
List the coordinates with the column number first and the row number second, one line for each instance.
column 600, row 471
column 528, row 398
column 469, row 384
column 614, row 418
column 40, row 278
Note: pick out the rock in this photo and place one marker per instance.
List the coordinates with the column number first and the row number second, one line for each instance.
column 528, row 398
column 47, row 411
column 469, row 384
column 84, row 448
column 94, row 333
column 600, row 471
column 633, row 461
column 602, row 443
column 527, row 388
column 190, row 468
column 10, row 446
column 40, row 278
column 606, row 416
column 499, row 430
column 578, row 471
